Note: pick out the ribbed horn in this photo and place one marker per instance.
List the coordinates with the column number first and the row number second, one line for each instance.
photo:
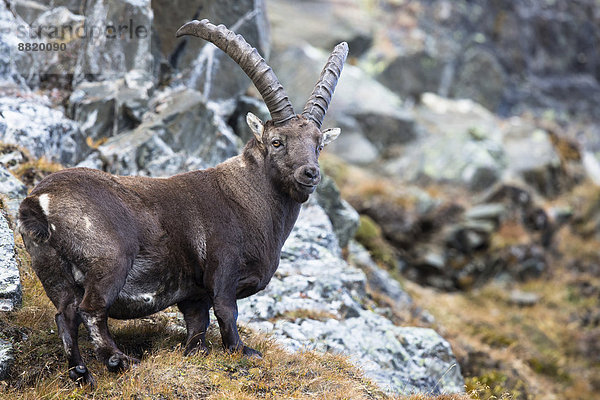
column 318, row 102
column 247, row 57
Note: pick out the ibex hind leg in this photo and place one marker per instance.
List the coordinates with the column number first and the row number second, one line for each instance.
column 197, row 319
column 65, row 295
column 68, row 321
column 104, row 281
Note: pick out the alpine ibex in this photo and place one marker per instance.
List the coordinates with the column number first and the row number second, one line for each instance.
column 126, row 247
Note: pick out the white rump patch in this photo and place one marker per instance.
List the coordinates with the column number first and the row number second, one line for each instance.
column 44, row 201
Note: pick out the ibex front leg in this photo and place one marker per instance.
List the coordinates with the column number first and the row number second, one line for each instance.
column 197, row 319
column 224, row 288
column 226, row 312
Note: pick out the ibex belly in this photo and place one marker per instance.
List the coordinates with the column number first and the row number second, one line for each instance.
column 150, row 288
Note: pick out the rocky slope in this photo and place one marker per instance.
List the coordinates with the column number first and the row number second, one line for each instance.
column 318, row 301
column 180, row 110
column 488, row 205
column 490, row 198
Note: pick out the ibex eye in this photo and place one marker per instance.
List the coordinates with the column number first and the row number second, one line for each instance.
column 276, row 143
column 320, row 148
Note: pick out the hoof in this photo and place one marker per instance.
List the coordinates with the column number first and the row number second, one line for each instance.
column 250, row 352
column 196, row 350
column 120, row 362
column 82, row 376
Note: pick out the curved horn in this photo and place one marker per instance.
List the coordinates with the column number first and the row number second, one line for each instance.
column 251, row 63
column 318, row 102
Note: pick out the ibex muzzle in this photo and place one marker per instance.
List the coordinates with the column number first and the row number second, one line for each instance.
column 126, row 247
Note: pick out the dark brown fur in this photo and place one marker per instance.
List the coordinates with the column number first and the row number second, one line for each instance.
column 127, row 247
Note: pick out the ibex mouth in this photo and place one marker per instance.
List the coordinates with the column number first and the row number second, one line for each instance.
column 307, row 189
column 308, row 177
column 307, row 185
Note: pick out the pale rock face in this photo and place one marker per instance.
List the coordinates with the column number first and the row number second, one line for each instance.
column 6, row 358
column 44, row 131
column 13, row 191
column 203, row 66
column 10, row 285
column 313, row 276
column 176, row 129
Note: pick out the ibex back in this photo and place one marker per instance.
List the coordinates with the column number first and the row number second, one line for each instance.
column 125, row 247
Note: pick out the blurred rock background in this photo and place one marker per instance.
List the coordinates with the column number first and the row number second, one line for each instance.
column 461, row 197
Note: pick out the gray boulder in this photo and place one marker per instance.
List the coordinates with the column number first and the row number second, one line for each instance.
column 45, row 132
column 203, row 66
column 9, row 56
column 343, row 217
column 106, row 108
column 12, row 191
column 481, row 78
column 353, row 146
column 379, row 280
column 6, row 358
column 59, row 63
column 246, row 104
column 184, row 133
column 75, row 6
column 94, row 106
column 95, row 43
column 10, row 283
column 462, row 144
column 465, row 143
column 531, row 156
column 312, row 277
column 349, row 21
column 29, row 10
column 496, row 53
column 412, row 74
column 115, row 51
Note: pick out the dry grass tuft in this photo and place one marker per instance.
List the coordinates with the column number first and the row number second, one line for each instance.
column 165, row 373
column 32, row 172
column 302, row 313
column 95, row 144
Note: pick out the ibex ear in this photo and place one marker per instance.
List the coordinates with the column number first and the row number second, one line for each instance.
column 329, row 135
column 256, row 125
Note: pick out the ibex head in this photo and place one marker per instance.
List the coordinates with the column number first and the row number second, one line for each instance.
column 289, row 143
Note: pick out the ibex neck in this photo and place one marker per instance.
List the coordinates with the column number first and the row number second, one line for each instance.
column 244, row 180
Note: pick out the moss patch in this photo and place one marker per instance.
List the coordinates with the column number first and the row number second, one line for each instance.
column 369, row 234
column 491, row 385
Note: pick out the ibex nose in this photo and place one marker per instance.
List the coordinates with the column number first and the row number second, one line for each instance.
column 312, row 172
column 308, row 175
